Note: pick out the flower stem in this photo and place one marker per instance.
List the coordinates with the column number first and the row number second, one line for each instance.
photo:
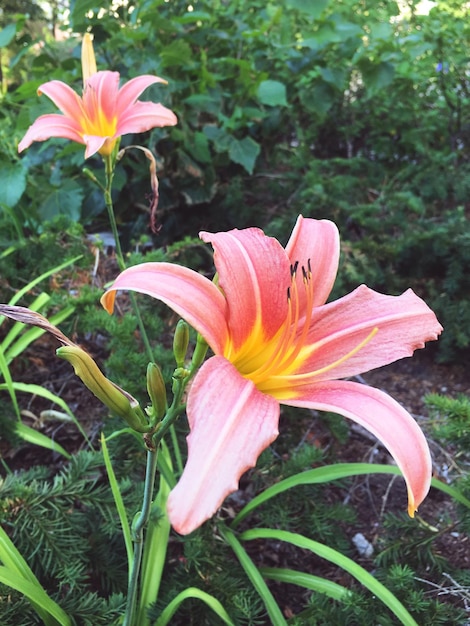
column 138, row 536
column 110, row 162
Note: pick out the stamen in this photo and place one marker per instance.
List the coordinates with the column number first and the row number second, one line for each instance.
column 299, row 379
column 283, row 345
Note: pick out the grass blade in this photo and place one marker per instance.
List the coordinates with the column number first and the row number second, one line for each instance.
column 329, row 473
column 253, row 573
column 325, row 552
column 193, row 592
column 308, row 581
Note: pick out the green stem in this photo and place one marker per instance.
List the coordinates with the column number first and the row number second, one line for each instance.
column 110, row 162
column 138, row 536
column 142, row 518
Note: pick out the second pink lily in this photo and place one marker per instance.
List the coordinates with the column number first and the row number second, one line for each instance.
column 276, row 341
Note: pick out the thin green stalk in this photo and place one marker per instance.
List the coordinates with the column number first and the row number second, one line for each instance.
column 138, row 536
column 142, row 518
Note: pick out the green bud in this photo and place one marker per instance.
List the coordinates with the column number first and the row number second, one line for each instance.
column 116, row 399
column 156, row 390
column 199, row 353
column 181, row 342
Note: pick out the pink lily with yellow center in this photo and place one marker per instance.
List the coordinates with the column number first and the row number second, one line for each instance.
column 102, row 114
column 275, row 341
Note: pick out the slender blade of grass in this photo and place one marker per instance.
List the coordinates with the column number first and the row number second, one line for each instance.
column 347, row 564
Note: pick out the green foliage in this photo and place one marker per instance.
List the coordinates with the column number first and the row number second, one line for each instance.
column 450, row 419
column 65, row 526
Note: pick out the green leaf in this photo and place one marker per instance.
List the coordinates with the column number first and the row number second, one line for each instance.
column 176, row 53
column 244, row 152
column 7, row 34
column 49, row 611
column 272, row 93
column 38, row 439
column 377, row 76
column 118, row 501
column 334, row 472
column 12, row 182
column 308, row 581
column 16, row 570
column 253, row 573
column 65, row 200
column 314, row 8
column 347, row 564
column 193, row 592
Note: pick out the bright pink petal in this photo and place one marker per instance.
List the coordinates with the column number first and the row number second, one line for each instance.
column 64, row 97
column 143, row 116
column 404, row 324
column 254, row 275
column 131, row 90
column 100, row 97
column 231, row 424
column 93, row 144
column 317, row 240
column 52, row 125
column 192, row 296
column 384, row 418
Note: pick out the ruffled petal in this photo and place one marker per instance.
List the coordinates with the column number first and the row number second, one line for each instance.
column 317, row 240
column 404, row 324
column 254, row 275
column 143, row 116
column 192, row 296
column 131, row 90
column 384, row 418
column 64, row 97
column 231, row 423
column 52, row 125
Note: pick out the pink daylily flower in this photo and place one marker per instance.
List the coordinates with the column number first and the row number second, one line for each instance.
column 275, row 341
column 104, row 113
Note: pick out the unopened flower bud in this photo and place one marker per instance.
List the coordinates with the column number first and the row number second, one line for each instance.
column 88, row 57
column 116, row 399
column 181, row 342
column 156, row 390
column 199, row 353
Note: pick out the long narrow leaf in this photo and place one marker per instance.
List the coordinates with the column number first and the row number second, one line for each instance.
column 156, row 544
column 329, row 473
column 308, row 581
column 19, row 294
column 325, row 552
column 193, row 592
column 47, row 395
column 38, row 439
column 121, row 509
column 38, row 303
column 5, row 371
column 253, row 573
column 29, row 336
column 50, row 612
column 15, row 564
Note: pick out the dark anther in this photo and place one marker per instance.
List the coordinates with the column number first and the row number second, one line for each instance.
column 288, row 293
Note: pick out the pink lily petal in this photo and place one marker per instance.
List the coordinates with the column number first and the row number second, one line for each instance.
column 317, row 240
column 93, row 144
column 143, row 116
column 404, row 324
column 231, row 424
column 131, row 90
column 384, row 418
column 101, row 95
column 251, row 267
column 189, row 294
column 64, row 97
column 47, row 126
